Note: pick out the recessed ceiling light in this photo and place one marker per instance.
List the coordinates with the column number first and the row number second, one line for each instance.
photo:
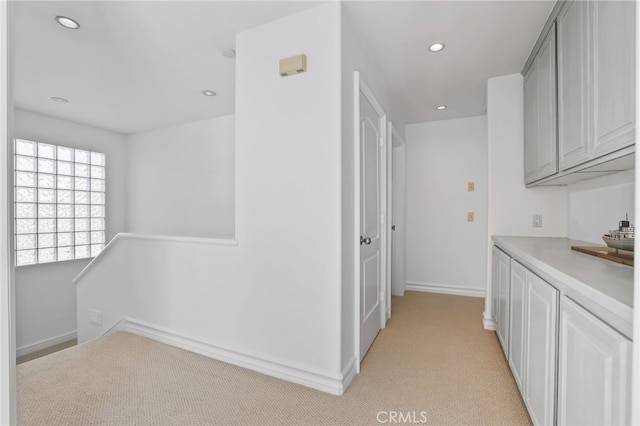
column 441, row 107
column 67, row 22
column 229, row 53
column 209, row 93
column 436, row 47
column 59, row 100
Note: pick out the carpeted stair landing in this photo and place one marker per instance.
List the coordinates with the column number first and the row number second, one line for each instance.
column 434, row 363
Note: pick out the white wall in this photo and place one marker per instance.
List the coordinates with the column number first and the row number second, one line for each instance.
column 288, row 189
column 181, row 179
column 354, row 57
column 276, row 296
column 511, row 206
column 45, row 296
column 445, row 252
column 597, row 205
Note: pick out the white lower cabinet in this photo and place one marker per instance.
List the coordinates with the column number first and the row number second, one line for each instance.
column 501, row 279
column 594, row 370
column 532, row 342
column 571, row 367
column 517, row 326
column 541, row 335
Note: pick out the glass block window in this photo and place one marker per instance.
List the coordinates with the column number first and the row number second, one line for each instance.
column 59, row 203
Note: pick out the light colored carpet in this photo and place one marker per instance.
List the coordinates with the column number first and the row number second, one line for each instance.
column 433, row 359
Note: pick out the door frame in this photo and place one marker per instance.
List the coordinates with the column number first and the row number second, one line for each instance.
column 7, row 304
column 635, row 368
column 397, row 256
column 360, row 86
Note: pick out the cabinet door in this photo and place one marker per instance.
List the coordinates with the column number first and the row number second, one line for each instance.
column 531, row 124
column 504, row 268
column 541, row 334
column 594, row 370
column 540, row 142
column 547, row 127
column 517, row 315
column 614, row 75
column 573, row 89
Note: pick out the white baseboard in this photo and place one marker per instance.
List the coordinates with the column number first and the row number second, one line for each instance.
column 349, row 374
column 333, row 385
column 488, row 322
column 119, row 326
column 445, row 289
column 47, row 343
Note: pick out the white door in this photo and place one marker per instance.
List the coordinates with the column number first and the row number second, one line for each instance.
column 371, row 305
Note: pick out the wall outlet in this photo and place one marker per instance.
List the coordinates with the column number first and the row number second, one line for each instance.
column 95, row 317
column 471, row 186
column 470, row 217
column 537, row 221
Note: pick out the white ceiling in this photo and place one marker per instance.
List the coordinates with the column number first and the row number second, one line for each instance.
column 483, row 39
column 137, row 65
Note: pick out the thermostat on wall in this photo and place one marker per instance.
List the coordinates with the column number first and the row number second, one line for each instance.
column 293, row 65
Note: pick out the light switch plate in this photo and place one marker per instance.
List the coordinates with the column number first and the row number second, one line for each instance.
column 470, row 216
column 471, row 186
column 95, row 317
column 537, row 221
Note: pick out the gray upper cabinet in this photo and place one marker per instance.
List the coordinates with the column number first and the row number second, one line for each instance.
column 594, row 103
column 541, row 157
column 573, row 84
column 613, row 75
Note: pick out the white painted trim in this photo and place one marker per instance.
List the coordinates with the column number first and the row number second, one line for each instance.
column 171, row 239
column 335, row 385
column 635, row 364
column 7, row 302
column 444, row 289
column 489, row 323
column 385, row 243
column 178, row 239
column 119, row 326
column 349, row 373
column 356, row 210
column 388, row 160
column 487, row 317
column 398, row 257
column 397, row 137
column 47, row 343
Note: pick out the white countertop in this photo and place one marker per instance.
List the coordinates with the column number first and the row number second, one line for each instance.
column 601, row 286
